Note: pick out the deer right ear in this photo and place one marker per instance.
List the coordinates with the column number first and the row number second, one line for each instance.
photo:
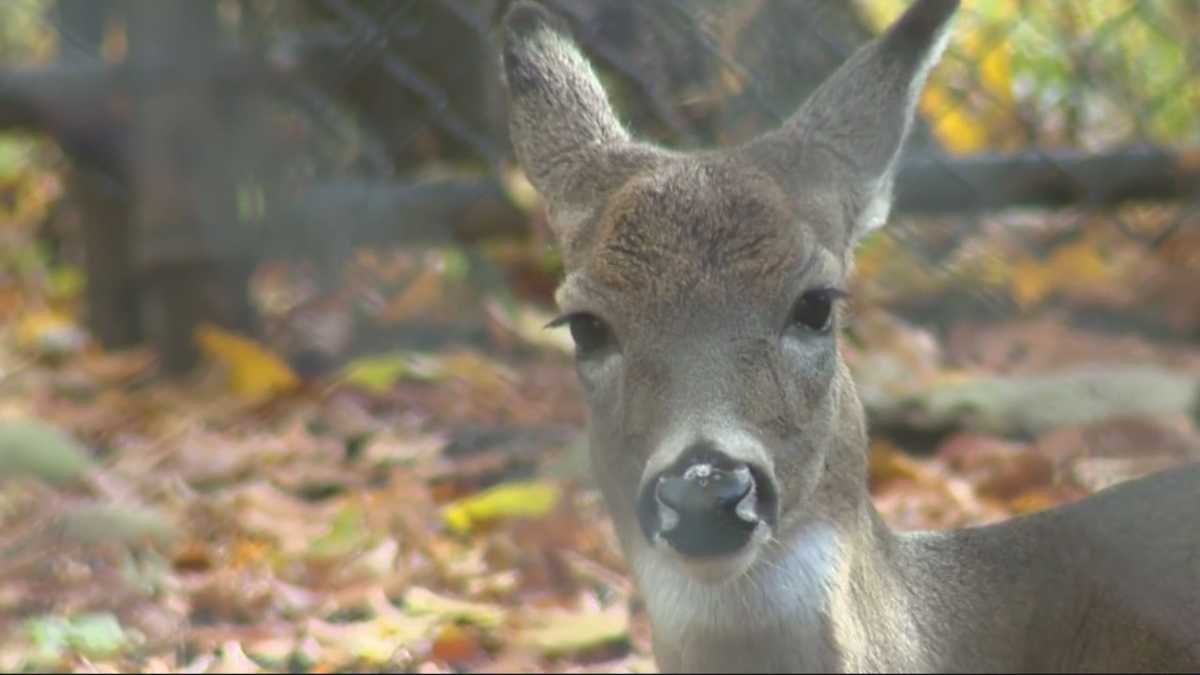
column 566, row 136
column 846, row 138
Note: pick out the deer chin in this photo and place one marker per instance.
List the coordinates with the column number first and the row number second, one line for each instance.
column 715, row 570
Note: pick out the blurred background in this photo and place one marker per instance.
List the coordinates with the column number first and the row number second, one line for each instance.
column 275, row 392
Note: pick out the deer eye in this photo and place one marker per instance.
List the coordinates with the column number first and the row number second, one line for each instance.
column 590, row 333
column 813, row 311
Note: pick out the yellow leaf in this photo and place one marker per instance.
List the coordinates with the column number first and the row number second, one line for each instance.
column 521, row 191
column 558, row 633
column 1029, row 282
column 378, row 374
column 1075, row 266
column 254, row 372
column 511, row 500
column 49, row 333
column 996, row 73
column 955, row 126
column 1078, row 264
column 972, row 107
column 421, row 602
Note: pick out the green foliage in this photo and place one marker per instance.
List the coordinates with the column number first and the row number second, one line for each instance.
column 34, row 449
column 96, row 635
column 24, row 31
column 108, row 523
column 1111, row 62
column 1075, row 73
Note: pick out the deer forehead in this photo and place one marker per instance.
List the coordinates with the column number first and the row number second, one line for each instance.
column 698, row 232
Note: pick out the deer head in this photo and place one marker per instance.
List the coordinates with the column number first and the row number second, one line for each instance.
column 702, row 293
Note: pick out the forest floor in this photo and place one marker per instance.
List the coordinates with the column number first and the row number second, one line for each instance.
column 429, row 509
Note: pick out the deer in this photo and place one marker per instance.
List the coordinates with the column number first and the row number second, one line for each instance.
column 704, row 291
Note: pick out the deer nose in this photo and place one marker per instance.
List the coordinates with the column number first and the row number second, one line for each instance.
column 706, row 504
column 704, row 489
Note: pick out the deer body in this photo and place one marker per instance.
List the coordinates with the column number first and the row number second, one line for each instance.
column 726, row 435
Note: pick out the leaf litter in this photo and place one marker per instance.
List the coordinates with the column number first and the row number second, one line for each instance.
column 429, row 509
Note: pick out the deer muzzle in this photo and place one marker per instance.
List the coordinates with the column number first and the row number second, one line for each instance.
column 706, row 504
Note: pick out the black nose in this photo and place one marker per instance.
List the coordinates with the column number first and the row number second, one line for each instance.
column 706, row 504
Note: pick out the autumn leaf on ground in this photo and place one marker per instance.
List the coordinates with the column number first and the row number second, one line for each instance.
column 422, row 602
column 33, row 448
column 457, row 644
column 378, row 374
column 91, row 635
column 389, row 638
column 254, row 372
column 234, row 660
column 558, row 632
column 511, row 500
column 49, row 333
column 101, row 523
column 347, row 534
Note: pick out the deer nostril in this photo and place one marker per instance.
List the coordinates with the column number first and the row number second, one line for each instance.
column 703, row 488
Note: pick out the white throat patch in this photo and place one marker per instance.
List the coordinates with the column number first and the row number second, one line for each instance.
column 783, row 595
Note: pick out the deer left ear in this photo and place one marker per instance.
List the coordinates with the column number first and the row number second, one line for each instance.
column 854, row 125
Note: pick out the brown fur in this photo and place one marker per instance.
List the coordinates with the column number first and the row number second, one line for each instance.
column 694, row 262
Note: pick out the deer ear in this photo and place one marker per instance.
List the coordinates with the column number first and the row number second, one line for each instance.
column 566, row 136
column 851, row 129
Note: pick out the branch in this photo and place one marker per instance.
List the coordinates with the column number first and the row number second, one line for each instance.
column 1045, row 179
column 382, row 213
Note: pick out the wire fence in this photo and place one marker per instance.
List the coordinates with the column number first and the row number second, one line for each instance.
column 220, row 134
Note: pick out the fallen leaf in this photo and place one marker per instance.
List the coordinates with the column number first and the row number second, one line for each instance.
column 385, row 640
column 559, row 633
column 378, row 374
column 510, row 500
column 49, row 333
column 422, row 601
column 264, row 510
column 234, row 660
column 96, row 635
column 35, row 449
column 271, row 652
column 456, row 645
column 254, row 372
column 347, row 534
column 101, row 523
